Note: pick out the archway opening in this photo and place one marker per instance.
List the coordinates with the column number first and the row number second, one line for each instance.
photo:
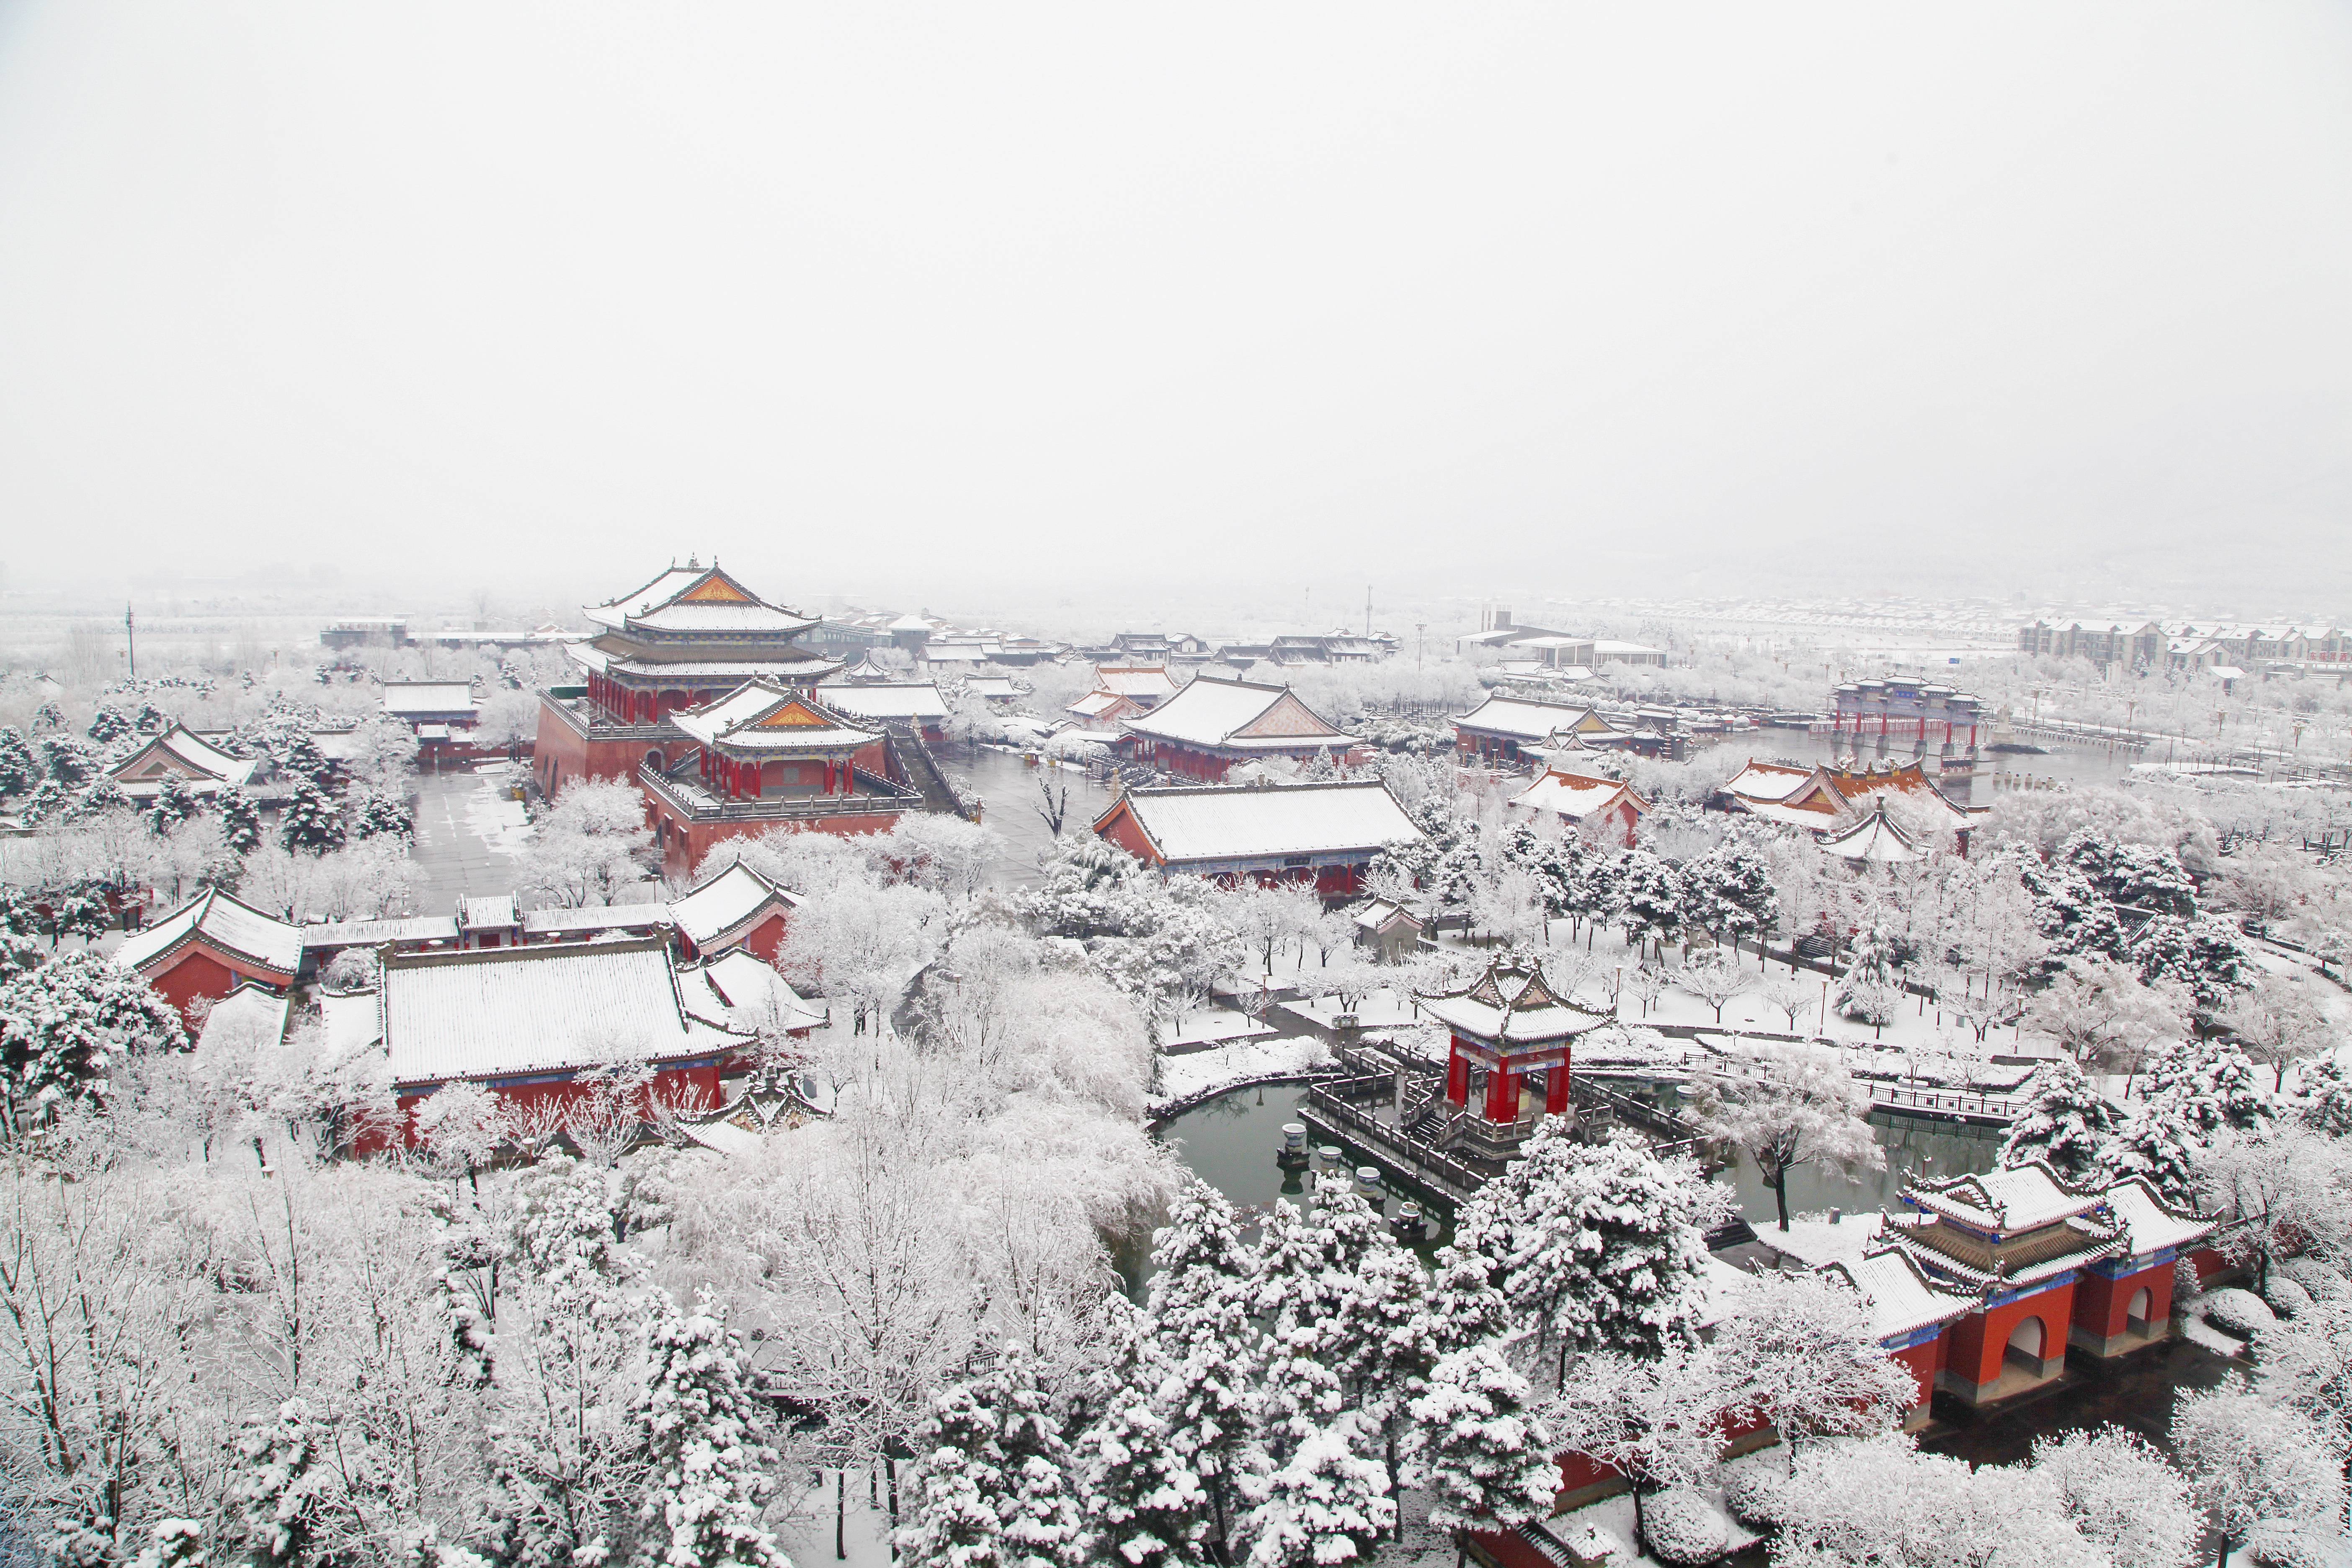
column 2135, row 1315
column 2025, row 1346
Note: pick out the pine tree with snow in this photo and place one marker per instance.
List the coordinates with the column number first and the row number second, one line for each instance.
column 19, row 770
column 2324, row 1098
column 992, row 1485
column 174, row 1543
column 379, row 812
column 2154, row 1146
column 68, row 1027
column 1484, row 1450
column 1326, row 1506
column 1650, row 897
column 1307, row 1271
column 1204, row 1330
column 240, row 819
column 109, row 724
column 2212, row 1091
column 1870, row 974
column 99, row 798
column 1731, row 891
column 700, row 1433
column 2068, row 1123
column 274, row 1486
column 1144, row 1502
column 174, row 803
column 313, row 819
column 70, row 762
column 2138, row 876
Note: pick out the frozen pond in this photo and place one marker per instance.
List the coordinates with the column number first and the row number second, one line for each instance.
column 1229, row 1143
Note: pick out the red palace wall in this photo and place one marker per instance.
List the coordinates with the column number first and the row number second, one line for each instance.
column 1978, row 1341
column 2102, row 1310
column 195, row 973
column 562, row 1091
column 1922, row 1361
column 1124, row 833
column 684, row 843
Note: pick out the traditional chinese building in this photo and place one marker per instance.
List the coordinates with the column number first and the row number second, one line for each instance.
column 1610, row 804
column 1510, row 728
column 1911, row 713
column 528, row 1022
column 1147, row 686
column 1326, row 834
column 735, row 910
column 916, row 707
column 689, row 637
column 211, row 945
column 179, row 752
column 1833, row 801
column 1213, row 723
column 2049, row 1264
column 769, row 756
column 1507, row 1066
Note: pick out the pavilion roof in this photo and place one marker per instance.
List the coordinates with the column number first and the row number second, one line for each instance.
column 1902, row 1297
column 693, row 598
column 2005, row 1202
column 182, row 751
column 895, row 700
column 220, row 921
column 1531, row 719
column 1134, row 680
column 1875, row 840
column 727, row 902
column 1576, row 796
column 562, row 1007
column 2151, row 1223
column 1237, row 715
column 1223, row 822
column 1766, row 781
column 749, row 995
column 407, row 699
column 760, row 716
column 1512, row 1003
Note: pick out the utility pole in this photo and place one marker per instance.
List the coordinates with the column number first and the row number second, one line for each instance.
column 1368, row 609
column 1418, row 627
column 129, row 641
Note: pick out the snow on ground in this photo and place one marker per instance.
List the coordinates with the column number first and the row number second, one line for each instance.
column 1216, row 1025
column 1388, row 1007
column 1201, row 1072
column 2190, row 1315
column 492, row 815
column 1812, row 1240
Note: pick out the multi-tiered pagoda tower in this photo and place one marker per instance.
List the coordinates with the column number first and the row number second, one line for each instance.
column 687, row 639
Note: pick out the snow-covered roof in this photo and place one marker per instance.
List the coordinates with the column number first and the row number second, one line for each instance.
column 220, row 921
column 1576, row 796
column 760, row 717
column 2149, row 1224
column 1766, row 781
column 745, row 989
column 1134, row 680
column 503, row 1012
column 251, row 1011
column 893, row 701
column 182, row 750
column 1379, row 914
column 1215, row 823
column 798, row 663
column 405, row 930
column 1525, row 719
column 697, row 599
column 990, row 686
column 352, row 1019
column 487, row 911
column 557, row 924
column 2004, row 1202
column 413, row 698
column 1098, row 704
column 1874, row 840
column 1510, row 1003
column 725, row 904
column 1237, row 715
column 1902, row 1299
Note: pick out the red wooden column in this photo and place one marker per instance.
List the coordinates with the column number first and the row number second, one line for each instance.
column 1457, row 1076
column 1556, row 1090
column 1502, row 1093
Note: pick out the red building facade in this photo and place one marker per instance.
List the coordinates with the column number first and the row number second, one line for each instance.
column 211, row 945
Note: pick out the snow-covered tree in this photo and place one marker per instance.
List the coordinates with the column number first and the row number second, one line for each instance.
column 2068, row 1123
column 2277, row 1022
column 2121, row 1495
column 1200, row 1304
column 2203, row 954
column 700, row 1431
column 1870, row 987
column 585, row 849
column 1485, row 1452
column 2103, row 1012
column 2306, row 1363
column 1800, row 1110
column 1325, row 1506
column 1715, row 978
column 1651, row 898
column 68, row 1027
column 311, row 820
column 2254, row 1461
column 2324, row 1100
column 1655, row 1420
column 992, row 1480
column 463, row 1123
column 1730, row 892
column 1881, row 1502
column 1800, row 1354
column 2289, row 1190
column 19, row 770
column 274, row 1484
column 174, row 804
column 240, row 818
column 1144, row 1503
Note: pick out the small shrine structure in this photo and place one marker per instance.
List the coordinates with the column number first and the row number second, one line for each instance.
column 1509, row 1065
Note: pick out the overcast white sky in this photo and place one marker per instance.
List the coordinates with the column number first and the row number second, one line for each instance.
column 932, row 298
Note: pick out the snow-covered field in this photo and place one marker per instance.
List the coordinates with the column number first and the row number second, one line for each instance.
column 1182, row 1078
